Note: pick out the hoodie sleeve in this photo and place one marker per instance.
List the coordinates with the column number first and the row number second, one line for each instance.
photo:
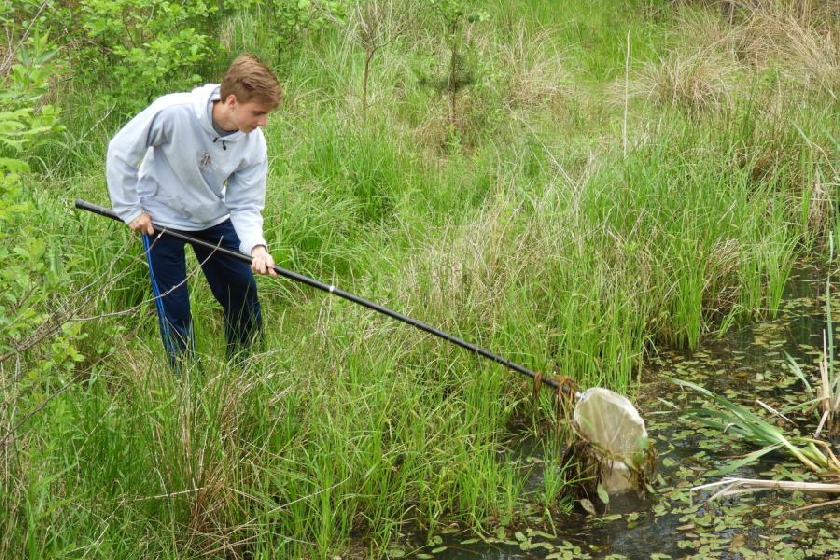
column 125, row 153
column 245, row 200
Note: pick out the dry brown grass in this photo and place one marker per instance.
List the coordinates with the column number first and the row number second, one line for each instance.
column 720, row 50
column 699, row 82
column 469, row 264
column 435, row 130
column 522, row 70
column 821, row 208
column 798, row 38
column 534, row 72
column 722, row 289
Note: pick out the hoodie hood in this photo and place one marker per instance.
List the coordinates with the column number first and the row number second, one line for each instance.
column 202, row 97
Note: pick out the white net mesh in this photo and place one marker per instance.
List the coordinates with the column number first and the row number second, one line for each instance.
column 611, row 422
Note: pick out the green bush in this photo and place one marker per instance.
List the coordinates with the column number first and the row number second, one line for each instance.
column 33, row 337
column 134, row 49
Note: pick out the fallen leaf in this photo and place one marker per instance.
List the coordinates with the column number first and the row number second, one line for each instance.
column 737, row 542
column 587, row 505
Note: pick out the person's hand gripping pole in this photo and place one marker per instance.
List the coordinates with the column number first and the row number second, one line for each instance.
column 142, row 224
column 261, row 261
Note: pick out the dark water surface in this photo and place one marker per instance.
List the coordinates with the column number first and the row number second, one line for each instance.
column 744, row 366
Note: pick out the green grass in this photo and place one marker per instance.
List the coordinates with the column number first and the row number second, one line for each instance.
column 527, row 230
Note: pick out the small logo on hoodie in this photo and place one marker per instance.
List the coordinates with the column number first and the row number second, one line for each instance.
column 205, row 160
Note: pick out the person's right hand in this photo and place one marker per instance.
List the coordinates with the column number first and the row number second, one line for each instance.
column 142, row 224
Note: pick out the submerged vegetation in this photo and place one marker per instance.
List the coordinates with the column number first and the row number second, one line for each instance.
column 594, row 185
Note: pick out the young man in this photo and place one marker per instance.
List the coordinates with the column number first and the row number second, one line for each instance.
column 196, row 162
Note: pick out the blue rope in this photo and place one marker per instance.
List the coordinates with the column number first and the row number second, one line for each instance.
column 164, row 325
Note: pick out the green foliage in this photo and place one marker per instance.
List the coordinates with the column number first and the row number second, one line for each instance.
column 29, row 268
column 135, row 48
column 144, row 46
column 21, row 124
column 292, row 17
column 283, row 25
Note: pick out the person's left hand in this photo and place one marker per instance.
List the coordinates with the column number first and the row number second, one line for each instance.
column 261, row 261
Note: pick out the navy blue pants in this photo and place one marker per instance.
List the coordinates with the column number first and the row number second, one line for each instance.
column 231, row 282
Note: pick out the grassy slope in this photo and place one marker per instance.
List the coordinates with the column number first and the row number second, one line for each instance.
column 527, row 230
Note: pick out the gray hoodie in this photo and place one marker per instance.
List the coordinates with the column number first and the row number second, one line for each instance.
column 170, row 162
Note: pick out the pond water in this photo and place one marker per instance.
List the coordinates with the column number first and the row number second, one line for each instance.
column 674, row 522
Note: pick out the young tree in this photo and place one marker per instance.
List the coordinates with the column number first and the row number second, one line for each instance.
column 456, row 16
column 375, row 25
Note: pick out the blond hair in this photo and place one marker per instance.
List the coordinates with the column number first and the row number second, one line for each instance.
column 249, row 79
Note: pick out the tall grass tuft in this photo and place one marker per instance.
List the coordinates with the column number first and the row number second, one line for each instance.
column 799, row 36
column 698, row 82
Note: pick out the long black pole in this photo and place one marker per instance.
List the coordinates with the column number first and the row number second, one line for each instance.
column 84, row 205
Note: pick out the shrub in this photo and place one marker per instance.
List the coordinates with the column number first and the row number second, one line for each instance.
column 35, row 341
column 136, row 48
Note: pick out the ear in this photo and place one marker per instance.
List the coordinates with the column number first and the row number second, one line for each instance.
column 231, row 101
